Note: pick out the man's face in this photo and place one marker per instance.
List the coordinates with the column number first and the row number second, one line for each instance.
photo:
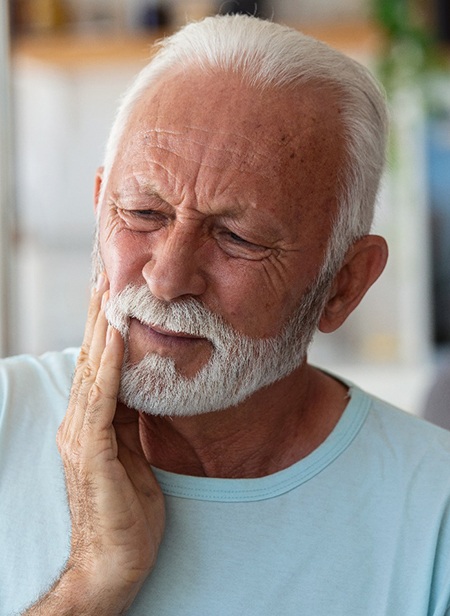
column 221, row 194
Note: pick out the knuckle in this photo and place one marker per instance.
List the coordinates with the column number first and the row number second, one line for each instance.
column 84, row 371
column 96, row 395
column 95, row 402
column 100, row 391
column 63, row 445
column 62, row 440
column 71, row 455
column 83, row 355
column 87, row 371
column 69, row 444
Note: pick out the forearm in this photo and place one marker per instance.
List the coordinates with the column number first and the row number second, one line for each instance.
column 71, row 596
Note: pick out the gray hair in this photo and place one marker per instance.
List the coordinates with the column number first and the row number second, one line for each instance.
column 268, row 55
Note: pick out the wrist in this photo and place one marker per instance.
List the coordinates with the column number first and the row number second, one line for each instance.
column 77, row 593
column 92, row 593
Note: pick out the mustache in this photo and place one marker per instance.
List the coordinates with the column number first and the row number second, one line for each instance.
column 186, row 316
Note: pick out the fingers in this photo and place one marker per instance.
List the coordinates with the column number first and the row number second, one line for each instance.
column 94, row 308
column 98, row 339
column 84, row 363
column 84, row 368
column 102, row 395
column 97, row 375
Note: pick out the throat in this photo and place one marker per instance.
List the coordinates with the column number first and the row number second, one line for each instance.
column 248, row 441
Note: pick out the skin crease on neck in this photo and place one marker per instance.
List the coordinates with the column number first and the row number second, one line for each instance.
column 215, row 159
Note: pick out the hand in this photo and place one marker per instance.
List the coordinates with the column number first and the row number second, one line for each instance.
column 116, row 505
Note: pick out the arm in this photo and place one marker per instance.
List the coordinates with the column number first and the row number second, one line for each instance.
column 116, row 506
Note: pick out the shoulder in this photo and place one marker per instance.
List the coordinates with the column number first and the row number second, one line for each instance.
column 405, row 441
column 404, row 425
column 29, row 382
column 54, row 368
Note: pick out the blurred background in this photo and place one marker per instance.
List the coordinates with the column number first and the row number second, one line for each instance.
column 63, row 65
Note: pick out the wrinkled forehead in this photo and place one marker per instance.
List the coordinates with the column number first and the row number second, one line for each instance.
column 223, row 132
column 219, row 148
column 222, row 110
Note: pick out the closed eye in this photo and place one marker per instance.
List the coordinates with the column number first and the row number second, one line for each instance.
column 237, row 246
column 240, row 240
column 147, row 214
column 143, row 220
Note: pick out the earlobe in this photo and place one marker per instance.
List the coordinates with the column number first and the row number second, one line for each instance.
column 364, row 263
column 97, row 187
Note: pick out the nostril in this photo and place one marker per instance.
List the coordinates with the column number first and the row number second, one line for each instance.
column 171, row 279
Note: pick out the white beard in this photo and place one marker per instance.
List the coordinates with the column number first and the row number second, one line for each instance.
column 238, row 367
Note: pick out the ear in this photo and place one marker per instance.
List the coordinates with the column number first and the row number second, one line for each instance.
column 97, row 187
column 363, row 264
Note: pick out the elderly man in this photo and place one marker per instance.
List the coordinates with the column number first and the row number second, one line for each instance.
column 208, row 468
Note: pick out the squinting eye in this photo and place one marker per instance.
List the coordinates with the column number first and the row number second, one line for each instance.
column 240, row 240
column 143, row 220
column 147, row 214
column 236, row 246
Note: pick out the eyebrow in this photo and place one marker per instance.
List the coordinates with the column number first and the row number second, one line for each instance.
column 150, row 190
column 145, row 190
column 232, row 211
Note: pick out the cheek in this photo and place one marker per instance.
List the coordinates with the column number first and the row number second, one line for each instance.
column 251, row 300
column 124, row 260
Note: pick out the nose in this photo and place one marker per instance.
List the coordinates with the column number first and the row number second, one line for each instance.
column 175, row 268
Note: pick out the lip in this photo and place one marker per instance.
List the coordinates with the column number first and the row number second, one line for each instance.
column 171, row 334
column 164, row 338
column 190, row 353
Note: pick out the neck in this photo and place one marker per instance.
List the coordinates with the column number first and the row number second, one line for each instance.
column 274, row 428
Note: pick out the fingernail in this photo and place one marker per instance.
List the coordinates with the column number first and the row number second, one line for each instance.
column 105, row 299
column 101, row 282
column 109, row 333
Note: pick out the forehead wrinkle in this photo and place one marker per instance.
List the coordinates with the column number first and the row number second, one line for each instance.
column 263, row 139
column 145, row 185
column 227, row 150
column 206, row 131
column 154, row 182
column 188, row 139
column 241, row 166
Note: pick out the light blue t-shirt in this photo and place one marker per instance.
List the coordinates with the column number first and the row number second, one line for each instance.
column 360, row 527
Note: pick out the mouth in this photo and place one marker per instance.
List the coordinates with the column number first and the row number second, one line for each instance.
column 171, row 334
column 188, row 352
column 163, row 339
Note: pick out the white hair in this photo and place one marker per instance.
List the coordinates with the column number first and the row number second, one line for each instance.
column 269, row 55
